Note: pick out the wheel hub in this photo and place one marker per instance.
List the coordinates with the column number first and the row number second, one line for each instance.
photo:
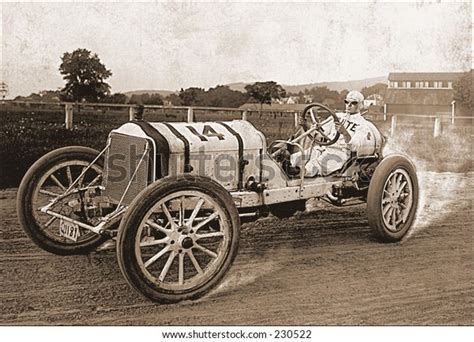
column 187, row 242
column 394, row 199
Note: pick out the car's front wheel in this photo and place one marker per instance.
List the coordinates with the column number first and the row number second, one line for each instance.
column 178, row 238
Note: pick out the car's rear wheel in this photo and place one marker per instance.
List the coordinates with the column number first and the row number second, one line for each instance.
column 392, row 198
column 49, row 178
column 178, row 238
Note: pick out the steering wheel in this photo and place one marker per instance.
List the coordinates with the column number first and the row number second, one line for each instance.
column 320, row 137
column 279, row 149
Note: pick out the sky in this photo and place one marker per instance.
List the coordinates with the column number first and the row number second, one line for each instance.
column 169, row 46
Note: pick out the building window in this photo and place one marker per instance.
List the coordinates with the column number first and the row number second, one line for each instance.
column 441, row 84
column 422, row 84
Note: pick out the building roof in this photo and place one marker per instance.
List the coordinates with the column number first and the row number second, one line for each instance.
column 419, row 96
column 424, row 76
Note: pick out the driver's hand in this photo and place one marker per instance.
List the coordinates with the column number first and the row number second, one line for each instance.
column 340, row 128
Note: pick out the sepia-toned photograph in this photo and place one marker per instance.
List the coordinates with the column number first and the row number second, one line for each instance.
column 230, row 164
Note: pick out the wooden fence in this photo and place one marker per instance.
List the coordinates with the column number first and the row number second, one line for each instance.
column 285, row 119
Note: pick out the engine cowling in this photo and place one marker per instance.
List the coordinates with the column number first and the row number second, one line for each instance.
column 228, row 152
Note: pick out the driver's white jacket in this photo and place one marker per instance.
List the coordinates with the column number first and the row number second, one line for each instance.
column 323, row 160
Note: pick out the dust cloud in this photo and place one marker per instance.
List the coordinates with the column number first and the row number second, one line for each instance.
column 438, row 187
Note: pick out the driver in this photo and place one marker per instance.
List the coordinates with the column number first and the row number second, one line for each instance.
column 354, row 132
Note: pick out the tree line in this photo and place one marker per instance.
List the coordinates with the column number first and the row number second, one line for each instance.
column 85, row 81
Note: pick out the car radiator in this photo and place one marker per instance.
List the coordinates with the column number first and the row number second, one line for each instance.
column 122, row 158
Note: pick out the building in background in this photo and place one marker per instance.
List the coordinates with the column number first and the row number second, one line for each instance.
column 420, row 92
column 308, row 98
column 373, row 100
column 287, row 100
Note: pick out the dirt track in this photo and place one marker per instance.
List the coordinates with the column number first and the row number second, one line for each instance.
column 318, row 268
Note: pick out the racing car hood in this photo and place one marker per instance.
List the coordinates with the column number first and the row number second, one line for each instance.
column 203, row 148
column 198, row 136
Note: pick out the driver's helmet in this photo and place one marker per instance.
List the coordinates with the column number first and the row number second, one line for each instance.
column 354, row 95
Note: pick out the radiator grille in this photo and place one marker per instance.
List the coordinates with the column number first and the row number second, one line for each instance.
column 122, row 158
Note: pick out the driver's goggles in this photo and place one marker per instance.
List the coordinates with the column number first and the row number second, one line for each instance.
column 352, row 103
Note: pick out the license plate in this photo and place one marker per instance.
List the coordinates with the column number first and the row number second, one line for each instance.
column 69, row 230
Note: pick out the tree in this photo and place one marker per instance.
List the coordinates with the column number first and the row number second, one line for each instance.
column 462, row 91
column 223, row 96
column 321, row 94
column 174, row 99
column 42, row 96
column 135, row 99
column 153, row 99
column 115, row 98
column 379, row 88
column 264, row 92
column 192, row 96
column 84, row 75
column 50, row 95
column 33, row 97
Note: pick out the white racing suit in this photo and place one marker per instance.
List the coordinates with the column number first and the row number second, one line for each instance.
column 323, row 160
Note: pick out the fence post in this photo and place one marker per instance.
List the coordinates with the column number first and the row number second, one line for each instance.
column 385, row 112
column 244, row 115
column 68, row 115
column 131, row 113
column 190, row 114
column 296, row 120
column 394, row 125
column 437, row 127
column 452, row 112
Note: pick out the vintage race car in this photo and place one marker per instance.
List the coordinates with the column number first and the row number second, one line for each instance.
column 173, row 196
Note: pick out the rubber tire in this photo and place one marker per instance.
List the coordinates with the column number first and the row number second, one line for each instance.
column 286, row 210
column 134, row 215
column 25, row 193
column 374, row 197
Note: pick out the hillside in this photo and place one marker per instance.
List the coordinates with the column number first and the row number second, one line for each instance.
column 240, row 86
column 163, row 93
column 349, row 85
